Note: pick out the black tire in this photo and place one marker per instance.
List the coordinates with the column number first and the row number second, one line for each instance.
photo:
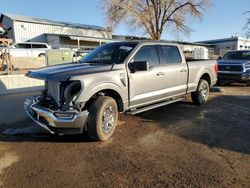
column 248, row 83
column 96, row 127
column 200, row 96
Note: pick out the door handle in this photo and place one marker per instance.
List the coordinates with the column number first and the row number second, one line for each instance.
column 183, row 70
column 160, row 73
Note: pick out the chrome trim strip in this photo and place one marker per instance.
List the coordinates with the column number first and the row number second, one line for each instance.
column 231, row 72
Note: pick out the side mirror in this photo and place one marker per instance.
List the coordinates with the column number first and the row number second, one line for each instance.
column 138, row 66
column 219, row 58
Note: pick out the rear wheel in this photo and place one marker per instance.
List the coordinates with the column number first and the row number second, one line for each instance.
column 200, row 96
column 103, row 115
column 248, row 83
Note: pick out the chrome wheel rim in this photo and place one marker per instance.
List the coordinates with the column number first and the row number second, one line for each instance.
column 204, row 92
column 108, row 119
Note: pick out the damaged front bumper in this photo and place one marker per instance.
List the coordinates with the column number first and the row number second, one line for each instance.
column 56, row 122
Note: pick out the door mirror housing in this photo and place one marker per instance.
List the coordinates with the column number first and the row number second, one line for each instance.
column 138, row 66
column 219, row 58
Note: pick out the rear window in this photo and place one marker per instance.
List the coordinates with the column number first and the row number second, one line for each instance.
column 39, row 46
column 171, row 54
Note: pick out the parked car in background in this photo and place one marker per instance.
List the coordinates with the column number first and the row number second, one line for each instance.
column 79, row 53
column 29, row 49
column 3, row 31
column 234, row 66
column 129, row 77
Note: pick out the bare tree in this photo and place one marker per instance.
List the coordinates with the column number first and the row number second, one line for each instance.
column 247, row 26
column 154, row 15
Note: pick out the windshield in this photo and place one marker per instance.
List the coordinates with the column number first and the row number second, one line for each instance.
column 109, row 53
column 237, row 55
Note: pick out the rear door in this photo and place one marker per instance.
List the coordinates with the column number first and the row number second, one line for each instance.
column 146, row 87
column 175, row 70
column 38, row 49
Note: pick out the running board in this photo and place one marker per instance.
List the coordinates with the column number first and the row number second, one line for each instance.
column 143, row 109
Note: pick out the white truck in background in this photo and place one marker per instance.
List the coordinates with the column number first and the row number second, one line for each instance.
column 28, row 49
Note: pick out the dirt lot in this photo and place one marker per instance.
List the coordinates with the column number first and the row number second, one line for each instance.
column 179, row 145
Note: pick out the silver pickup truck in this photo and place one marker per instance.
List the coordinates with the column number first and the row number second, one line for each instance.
column 126, row 77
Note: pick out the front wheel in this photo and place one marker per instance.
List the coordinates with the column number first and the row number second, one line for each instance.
column 200, row 96
column 103, row 115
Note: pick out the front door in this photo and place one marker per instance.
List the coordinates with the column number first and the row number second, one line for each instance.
column 145, row 86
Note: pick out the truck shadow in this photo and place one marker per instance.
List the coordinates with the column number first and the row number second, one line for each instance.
column 222, row 123
column 23, row 135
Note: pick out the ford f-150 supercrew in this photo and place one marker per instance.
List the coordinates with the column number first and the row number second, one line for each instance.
column 129, row 77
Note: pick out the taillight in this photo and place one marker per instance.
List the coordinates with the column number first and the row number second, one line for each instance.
column 216, row 68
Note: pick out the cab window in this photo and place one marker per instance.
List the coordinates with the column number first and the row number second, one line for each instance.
column 149, row 54
column 171, row 55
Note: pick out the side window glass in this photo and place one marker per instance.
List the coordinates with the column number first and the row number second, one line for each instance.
column 171, row 55
column 149, row 54
column 17, row 45
column 39, row 46
column 23, row 45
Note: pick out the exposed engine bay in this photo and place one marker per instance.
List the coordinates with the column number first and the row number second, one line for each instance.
column 61, row 95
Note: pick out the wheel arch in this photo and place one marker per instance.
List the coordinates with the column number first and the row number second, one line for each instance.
column 110, row 93
column 88, row 95
column 41, row 54
column 205, row 75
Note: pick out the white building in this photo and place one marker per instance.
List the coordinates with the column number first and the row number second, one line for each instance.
column 56, row 34
column 226, row 44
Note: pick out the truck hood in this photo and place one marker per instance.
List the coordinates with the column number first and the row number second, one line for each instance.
column 66, row 71
column 232, row 62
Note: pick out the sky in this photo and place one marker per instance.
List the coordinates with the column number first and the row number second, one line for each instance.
column 224, row 19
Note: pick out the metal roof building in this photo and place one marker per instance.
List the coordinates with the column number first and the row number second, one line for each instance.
column 56, row 33
column 225, row 44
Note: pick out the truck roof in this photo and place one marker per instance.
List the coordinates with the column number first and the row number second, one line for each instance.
column 239, row 51
column 146, row 42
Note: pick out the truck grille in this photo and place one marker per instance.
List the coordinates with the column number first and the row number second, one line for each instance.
column 234, row 68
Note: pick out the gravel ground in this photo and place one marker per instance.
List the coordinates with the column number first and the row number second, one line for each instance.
column 180, row 145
